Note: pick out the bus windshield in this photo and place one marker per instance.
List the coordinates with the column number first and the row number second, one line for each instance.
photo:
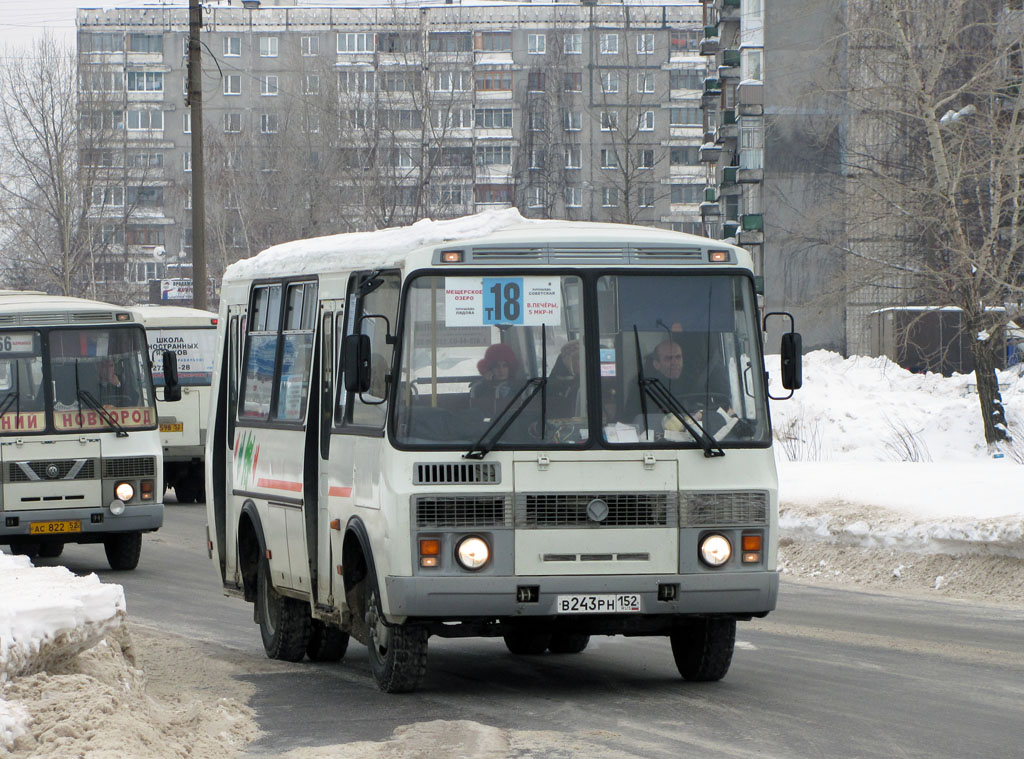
column 22, row 404
column 482, row 351
column 103, row 367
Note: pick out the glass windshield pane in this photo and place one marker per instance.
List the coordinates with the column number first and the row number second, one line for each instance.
column 100, row 366
column 471, row 345
column 22, row 405
column 698, row 342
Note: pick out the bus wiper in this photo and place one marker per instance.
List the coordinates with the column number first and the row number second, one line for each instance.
column 531, row 387
column 669, row 404
column 7, row 400
column 106, row 416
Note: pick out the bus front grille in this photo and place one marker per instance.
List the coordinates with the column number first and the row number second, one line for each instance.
column 437, row 511
column 457, row 473
column 66, row 469
column 718, row 509
column 133, row 466
column 575, row 510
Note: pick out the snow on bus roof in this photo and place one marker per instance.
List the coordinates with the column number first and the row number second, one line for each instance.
column 389, row 247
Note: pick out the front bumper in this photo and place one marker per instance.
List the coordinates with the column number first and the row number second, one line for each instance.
column 457, row 598
column 136, row 518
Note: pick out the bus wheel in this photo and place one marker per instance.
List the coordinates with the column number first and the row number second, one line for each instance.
column 703, row 648
column 326, row 643
column 28, row 548
column 185, row 491
column 284, row 622
column 123, row 550
column 398, row 653
column 51, row 550
column 568, row 643
column 527, row 642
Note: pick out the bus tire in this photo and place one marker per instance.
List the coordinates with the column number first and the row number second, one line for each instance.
column 703, row 648
column 123, row 550
column 284, row 622
column 527, row 642
column 51, row 550
column 326, row 643
column 185, row 490
column 28, row 548
column 568, row 643
column 398, row 653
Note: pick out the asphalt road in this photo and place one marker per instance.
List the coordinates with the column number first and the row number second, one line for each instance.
column 832, row 674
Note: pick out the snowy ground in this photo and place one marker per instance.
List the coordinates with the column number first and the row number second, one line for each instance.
column 885, row 483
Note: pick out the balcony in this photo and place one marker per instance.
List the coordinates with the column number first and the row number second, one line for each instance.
column 710, row 195
column 750, row 176
column 710, row 209
column 710, row 44
column 750, row 97
column 712, row 86
column 731, row 57
column 752, row 222
column 729, row 228
column 729, row 175
column 709, row 152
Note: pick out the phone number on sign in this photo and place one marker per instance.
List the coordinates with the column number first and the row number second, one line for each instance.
column 598, row 604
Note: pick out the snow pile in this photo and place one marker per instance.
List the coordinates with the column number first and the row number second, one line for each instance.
column 871, row 455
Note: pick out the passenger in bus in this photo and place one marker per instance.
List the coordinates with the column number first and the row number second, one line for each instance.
column 500, row 378
column 112, row 391
column 665, row 364
column 564, row 382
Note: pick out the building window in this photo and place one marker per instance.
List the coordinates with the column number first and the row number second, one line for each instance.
column 645, row 196
column 398, row 42
column 355, row 42
column 494, row 155
column 357, row 81
column 107, row 197
column 310, row 84
column 312, row 123
column 572, row 44
column 268, row 47
column 573, row 157
column 684, row 40
column 232, row 84
column 609, row 82
column 689, row 227
column 536, row 197
column 232, row 123
column 494, row 42
column 145, row 120
column 608, row 43
column 645, row 82
column 684, row 156
column 609, row 121
column 450, row 42
column 573, row 121
column 752, row 61
column 645, row 121
column 572, row 81
column 310, row 46
column 610, row 197
column 493, row 193
column 147, row 270
column 686, row 79
column 645, row 44
column 186, row 122
column 451, row 118
column 536, row 44
column 535, row 81
column 268, row 85
column 645, row 158
column 268, row 123
column 232, row 47
column 187, row 161
column 143, row 159
column 751, row 145
column 538, row 158
column 609, row 159
column 494, row 118
column 452, row 81
column 450, row 194
column 573, row 196
column 538, row 121
column 686, row 193
column 101, row 42
column 686, row 116
column 144, row 81
column 493, row 81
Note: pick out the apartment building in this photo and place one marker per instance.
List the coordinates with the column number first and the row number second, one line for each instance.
column 331, row 118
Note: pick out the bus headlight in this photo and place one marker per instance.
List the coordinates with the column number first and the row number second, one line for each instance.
column 124, row 491
column 715, row 550
column 117, row 507
column 472, row 553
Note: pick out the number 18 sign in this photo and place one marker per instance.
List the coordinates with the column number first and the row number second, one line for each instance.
column 483, row 301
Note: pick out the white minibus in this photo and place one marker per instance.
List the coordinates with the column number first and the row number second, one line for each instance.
column 79, row 446
column 490, row 426
column 191, row 334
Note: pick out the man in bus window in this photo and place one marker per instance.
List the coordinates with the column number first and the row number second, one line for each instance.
column 112, row 391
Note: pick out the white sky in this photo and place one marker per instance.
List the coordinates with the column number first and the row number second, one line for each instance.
column 23, row 21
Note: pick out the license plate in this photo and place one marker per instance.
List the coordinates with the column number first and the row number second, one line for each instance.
column 55, row 528
column 617, row 603
column 179, row 427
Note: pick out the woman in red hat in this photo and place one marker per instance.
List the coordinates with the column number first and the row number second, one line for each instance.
column 499, row 374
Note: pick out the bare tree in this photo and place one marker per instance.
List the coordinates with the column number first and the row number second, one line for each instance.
column 930, row 145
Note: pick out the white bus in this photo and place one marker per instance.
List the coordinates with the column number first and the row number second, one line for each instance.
column 405, row 444
column 79, row 447
column 191, row 334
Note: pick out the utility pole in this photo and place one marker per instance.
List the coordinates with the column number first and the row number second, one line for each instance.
column 195, row 103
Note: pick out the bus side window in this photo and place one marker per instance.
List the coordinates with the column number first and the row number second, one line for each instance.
column 383, row 301
column 339, row 334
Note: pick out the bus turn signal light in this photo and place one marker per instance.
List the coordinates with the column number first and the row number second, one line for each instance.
column 430, row 549
column 751, row 549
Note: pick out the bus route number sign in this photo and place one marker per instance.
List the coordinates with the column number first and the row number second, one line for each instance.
column 17, row 344
column 492, row 301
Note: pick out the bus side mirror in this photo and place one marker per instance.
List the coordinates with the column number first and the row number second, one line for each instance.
column 172, row 389
column 792, row 360
column 356, row 363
